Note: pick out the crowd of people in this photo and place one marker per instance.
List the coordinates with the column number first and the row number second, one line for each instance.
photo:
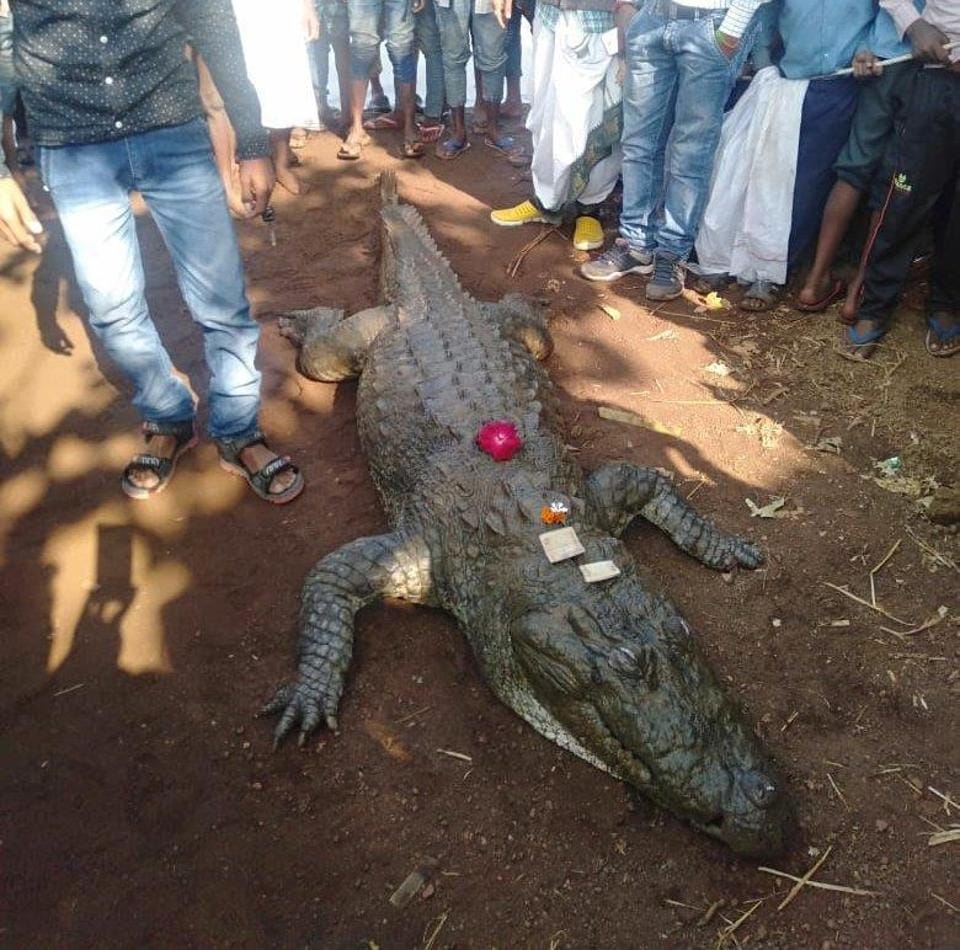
column 747, row 134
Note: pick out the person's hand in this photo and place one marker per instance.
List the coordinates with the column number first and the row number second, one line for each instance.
column 866, row 64
column 18, row 223
column 928, row 42
column 503, row 10
column 625, row 12
column 311, row 22
column 728, row 45
column 620, row 76
column 256, row 182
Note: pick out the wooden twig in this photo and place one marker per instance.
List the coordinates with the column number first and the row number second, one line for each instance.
column 455, row 755
column 729, row 931
column 429, row 941
column 69, row 689
column 836, row 788
column 412, row 715
column 926, row 625
column 945, row 837
column 806, row 881
column 945, row 902
column 866, row 603
column 514, row 267
column 948, row 802
column 890, row 553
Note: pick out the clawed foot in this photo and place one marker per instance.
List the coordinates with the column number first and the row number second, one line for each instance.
column 733, row 552
column 301, row 704
column 298, row 325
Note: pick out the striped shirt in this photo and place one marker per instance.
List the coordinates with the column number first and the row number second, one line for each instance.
column 739, row 13
column 943, row 14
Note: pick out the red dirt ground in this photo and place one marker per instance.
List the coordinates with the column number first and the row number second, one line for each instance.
column 140, row 803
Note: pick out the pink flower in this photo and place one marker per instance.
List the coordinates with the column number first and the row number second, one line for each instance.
column 499, row 439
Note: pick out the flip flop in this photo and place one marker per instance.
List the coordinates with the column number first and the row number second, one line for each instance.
column 299, row 139
column 450, row 149
column 859, row 347
column 431, row 131
column 838, row 290
column 349, row 151
column 941, row 341
column 413, row 150
column 390, row 121
column 764, row 293
column 506, row 146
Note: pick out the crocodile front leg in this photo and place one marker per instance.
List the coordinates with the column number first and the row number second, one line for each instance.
column 332, row 348
column 524, row 322
column 351, row 577
column 618, row 492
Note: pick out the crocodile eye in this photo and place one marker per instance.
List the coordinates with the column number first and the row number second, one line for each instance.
column 639, row 663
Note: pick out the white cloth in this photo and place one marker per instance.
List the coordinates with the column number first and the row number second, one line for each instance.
column 574, row 87
column 275, row 50
column 746, row 227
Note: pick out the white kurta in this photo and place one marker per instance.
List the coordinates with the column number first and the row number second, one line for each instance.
column 275, row 50
column 746, row 228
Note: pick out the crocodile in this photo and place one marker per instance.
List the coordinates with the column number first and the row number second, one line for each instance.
column 609, row 671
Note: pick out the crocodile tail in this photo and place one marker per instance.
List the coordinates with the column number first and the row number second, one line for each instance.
column 389, row 194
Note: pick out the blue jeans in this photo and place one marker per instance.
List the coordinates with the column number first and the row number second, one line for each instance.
column 393, row 21
column 174, row 171
column 428, row 41
column 677, row 83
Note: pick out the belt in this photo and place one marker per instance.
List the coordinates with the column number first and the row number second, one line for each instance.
column 676, row 11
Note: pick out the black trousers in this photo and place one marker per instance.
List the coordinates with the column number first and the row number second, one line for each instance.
column 925, row 187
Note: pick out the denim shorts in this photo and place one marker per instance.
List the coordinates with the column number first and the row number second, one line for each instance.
column 391, row 21
column 334, row 19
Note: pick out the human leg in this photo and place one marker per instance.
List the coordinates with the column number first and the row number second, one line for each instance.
column 453, row 23
column 400, row 39
column 650, row 92
column 926, row 162
column 90, row 186
column 513, row 70
column 364, row 22
column 428, row 41
column 490, row 55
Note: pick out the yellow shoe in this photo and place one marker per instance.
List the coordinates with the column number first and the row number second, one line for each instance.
column 588, row 234
column 524, row 213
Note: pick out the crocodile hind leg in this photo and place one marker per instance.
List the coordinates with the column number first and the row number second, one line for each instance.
column 525, row 323
column 619, row 492
column 332, row 347
column 349, row 578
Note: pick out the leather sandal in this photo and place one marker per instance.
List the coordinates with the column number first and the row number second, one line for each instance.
column 186, row 438
column 261, row 480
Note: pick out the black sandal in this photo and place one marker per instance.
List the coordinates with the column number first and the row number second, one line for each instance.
column 260, row 482
column 186, row 438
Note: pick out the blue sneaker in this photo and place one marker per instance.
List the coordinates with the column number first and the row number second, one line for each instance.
column 668, row 276
column 618, row 261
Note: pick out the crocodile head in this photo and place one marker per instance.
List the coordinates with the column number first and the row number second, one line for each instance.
column 623, row 678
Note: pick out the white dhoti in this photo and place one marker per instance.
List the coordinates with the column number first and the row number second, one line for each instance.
column 746, row 226
column 576, row 116
column 275, row 50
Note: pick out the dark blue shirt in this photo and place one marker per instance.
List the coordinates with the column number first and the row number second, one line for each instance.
column 95, row 70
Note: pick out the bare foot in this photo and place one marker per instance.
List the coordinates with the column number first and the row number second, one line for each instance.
column 813, row 292
column 288, row 179
column 512, row 109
